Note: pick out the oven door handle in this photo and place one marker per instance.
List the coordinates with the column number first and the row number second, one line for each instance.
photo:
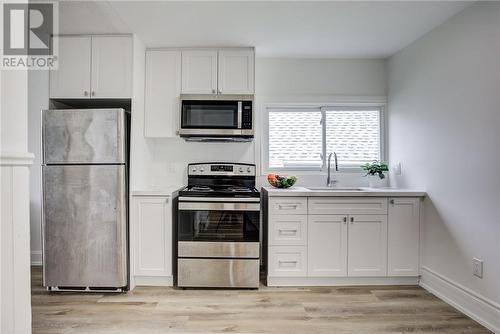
column 219, row 206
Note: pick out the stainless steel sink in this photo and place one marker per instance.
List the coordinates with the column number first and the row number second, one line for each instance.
column 335, row 188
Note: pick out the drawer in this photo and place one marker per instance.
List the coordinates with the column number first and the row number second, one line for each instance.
column 347, row 205
column 288, row 205
column 288, row 230
column 287, row 261
column 218, row 273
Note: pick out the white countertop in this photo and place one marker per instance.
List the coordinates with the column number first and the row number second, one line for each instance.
column 155, row 191
column 364, row 192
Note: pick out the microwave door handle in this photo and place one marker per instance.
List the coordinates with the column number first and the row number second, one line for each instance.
column 240, row 113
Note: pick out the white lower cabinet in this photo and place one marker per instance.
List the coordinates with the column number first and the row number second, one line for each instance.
column 287, row 261
column 343, row 240
column 367, row 251
column 288, row 230
column 152, row 240
column 403, row 237
column 327, row 245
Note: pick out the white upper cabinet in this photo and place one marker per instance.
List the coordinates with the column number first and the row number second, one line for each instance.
column 163, row 87
column 327, row 245
column 224, row 71
column 72, row 78
column 236, row 71
column 367, row 245
column 403, row 235
column 111, row 67
column 199, row 71
column 93, row 67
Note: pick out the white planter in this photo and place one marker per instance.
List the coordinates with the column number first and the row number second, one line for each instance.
column 374, row 181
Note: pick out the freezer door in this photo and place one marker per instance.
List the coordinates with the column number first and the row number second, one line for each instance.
column 75, row 136
column 85, row 226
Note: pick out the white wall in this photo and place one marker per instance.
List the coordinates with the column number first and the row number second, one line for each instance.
column 444, row 126
column 15, row 287
column 38, row 92
column 324, row 77
column 280, row 80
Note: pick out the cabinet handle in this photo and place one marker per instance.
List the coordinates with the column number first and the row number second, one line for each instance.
column 352, row 220
column 345, row 219
column 85, row 93
column 287, row 231
column 213, row 91
column 92, row 94
column 220, row 91
column 391, row 201
column 288, row 206
column 289, row 263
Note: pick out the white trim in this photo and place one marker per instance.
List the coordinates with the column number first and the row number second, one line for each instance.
column 473, row 304
column 340, row 281
column 16, row 158
column 154, row 280
column 36, row 258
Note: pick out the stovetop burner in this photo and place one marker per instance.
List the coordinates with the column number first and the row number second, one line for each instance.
column 241, row 189
column 200, row 188
column 219, row 191
column 220, row 180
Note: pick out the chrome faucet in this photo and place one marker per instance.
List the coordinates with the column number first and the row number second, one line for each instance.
column 329, row 181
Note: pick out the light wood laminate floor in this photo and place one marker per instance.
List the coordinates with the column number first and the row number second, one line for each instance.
column 371, row 309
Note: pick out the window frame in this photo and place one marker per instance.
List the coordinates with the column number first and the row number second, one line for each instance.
column 322, row 107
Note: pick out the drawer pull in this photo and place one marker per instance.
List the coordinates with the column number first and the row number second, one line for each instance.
column 288, row 206
column 287, row 263
column 287, row 232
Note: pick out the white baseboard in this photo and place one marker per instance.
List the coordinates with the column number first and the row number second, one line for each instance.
column 340, row 281
column 476, row 306
column 36, row 258
column 154, row 280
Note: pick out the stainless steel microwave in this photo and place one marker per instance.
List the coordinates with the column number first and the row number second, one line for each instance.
column 217, row 117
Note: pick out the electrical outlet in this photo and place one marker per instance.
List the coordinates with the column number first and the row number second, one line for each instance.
column 397, row 169
column 477, row 267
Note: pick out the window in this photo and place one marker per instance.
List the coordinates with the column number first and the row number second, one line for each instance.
column 301, row 138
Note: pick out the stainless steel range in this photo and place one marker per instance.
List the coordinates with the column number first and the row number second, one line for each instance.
column 218, row 227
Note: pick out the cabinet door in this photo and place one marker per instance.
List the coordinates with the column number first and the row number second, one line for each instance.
column 327, row 245
column 153, row 253
column 288, row 230
column 403, row 236
column 72, row 77
column 199, row 72
column 163, row 87
column 367, row 250
column 287, row 261
column 111, row 67
column 288, row 205
column 236, row 71
column 351, row 205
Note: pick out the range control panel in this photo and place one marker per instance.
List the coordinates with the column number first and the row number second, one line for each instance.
column 228, row 169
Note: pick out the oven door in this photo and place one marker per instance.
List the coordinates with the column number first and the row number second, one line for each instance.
column 218, row 222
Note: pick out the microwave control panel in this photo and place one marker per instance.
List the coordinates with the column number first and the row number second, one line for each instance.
column 246, row 115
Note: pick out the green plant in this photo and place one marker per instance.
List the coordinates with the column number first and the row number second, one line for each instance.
column 375, row 168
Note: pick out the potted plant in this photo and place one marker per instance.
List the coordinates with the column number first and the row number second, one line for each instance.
column 375, row 173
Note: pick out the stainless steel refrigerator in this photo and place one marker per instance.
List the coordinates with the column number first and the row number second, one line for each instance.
column 84, row 182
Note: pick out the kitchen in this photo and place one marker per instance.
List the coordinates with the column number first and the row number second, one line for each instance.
column 218, row 110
